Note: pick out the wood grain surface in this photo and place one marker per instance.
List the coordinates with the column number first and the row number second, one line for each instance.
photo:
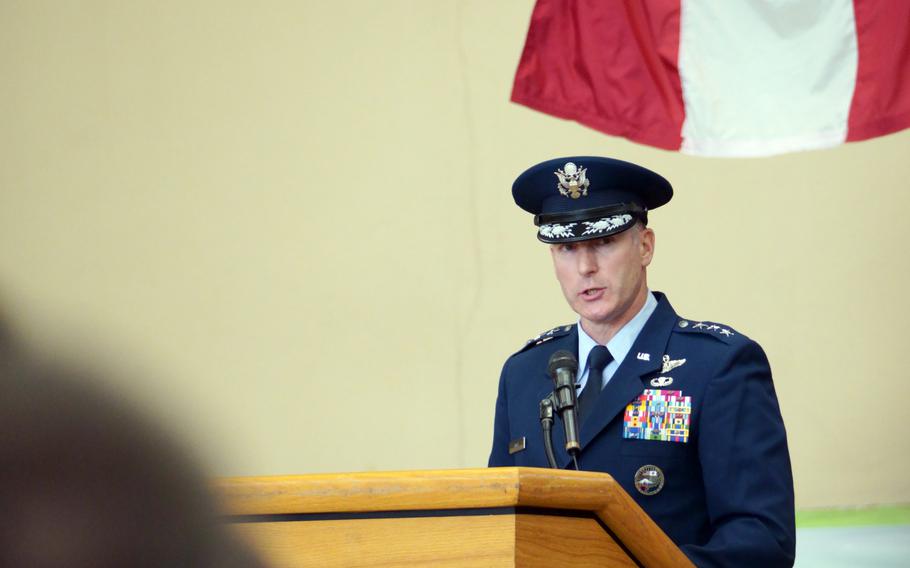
column 556, row 490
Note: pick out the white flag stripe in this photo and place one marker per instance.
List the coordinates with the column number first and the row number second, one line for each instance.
column 766, row 77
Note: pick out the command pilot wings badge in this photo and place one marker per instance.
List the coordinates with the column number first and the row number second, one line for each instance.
column 670, row 364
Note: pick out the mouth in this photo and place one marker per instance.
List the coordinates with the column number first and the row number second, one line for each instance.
column 591, row 293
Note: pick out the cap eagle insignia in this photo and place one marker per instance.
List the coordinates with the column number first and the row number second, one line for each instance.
column 572, row 181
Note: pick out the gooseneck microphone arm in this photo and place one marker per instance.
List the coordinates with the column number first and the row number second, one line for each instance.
column 562, row 368
column 546, row 424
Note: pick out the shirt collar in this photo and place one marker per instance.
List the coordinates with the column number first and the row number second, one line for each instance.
column 620, row 343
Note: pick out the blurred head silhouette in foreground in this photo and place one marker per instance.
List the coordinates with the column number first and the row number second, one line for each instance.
column 85, row 481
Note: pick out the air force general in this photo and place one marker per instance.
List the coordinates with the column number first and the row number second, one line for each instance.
column 681, row 412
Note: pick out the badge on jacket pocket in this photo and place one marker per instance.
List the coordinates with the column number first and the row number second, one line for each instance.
column 516, row 445
column 661, row 415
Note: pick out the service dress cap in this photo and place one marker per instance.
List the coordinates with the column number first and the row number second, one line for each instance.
column 587, row 197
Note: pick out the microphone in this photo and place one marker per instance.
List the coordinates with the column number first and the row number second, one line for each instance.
column 562, row 368
column 546, row 424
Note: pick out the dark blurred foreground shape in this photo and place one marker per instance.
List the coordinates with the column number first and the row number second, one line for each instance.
column 86, row 482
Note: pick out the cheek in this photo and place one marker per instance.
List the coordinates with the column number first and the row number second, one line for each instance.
column 562, row 269
column 566, row 280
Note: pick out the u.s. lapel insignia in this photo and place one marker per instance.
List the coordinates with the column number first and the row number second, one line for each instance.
column 644, row 356
column 662, row 382
column 670, row 364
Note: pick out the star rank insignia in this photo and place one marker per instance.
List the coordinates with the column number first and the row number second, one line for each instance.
column 670, row 364
column 726, row 332
column 547, row 336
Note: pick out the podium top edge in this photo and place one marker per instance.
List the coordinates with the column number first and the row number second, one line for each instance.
column 415, row 490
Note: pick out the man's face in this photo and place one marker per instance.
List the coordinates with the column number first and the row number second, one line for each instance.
column 604, row 279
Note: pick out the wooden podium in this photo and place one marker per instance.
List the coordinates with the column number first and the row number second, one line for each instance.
column 471, row 517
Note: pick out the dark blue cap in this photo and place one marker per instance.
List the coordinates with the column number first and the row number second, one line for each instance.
column 587, row 197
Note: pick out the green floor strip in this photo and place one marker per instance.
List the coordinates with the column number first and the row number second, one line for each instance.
column 854, row 517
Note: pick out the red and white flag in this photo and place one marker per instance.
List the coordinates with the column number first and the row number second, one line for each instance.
column 722, row 77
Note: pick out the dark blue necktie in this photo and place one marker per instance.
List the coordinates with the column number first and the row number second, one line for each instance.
column 598, row 360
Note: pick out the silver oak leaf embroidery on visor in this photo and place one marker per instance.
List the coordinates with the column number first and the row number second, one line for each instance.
column 557, row 231
column 605, row 224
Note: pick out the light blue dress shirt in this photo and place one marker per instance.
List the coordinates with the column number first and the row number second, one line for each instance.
column 619, row 345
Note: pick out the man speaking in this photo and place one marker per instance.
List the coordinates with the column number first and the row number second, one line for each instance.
column 681, row 412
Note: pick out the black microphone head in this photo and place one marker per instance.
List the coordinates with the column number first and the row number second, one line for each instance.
column 562, row 359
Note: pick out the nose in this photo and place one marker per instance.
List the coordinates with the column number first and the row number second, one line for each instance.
column 587, row 261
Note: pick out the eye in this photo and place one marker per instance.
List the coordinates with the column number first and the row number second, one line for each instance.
column 567, row 247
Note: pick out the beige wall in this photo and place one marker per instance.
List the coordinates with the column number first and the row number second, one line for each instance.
column 296, row 217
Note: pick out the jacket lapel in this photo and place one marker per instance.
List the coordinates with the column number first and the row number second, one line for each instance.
column 626, row 383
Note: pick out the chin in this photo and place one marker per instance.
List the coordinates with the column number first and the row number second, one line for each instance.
column 598, row 316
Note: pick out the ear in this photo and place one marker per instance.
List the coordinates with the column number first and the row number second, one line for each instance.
column 646, row 245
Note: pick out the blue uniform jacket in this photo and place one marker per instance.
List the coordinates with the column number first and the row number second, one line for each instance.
column 728, row 493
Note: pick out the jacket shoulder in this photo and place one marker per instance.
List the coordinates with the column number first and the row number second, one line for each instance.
column 718, row 331
column 545, row 336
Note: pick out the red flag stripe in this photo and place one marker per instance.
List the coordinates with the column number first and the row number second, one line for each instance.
column 610, row 65
column 881, row 97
